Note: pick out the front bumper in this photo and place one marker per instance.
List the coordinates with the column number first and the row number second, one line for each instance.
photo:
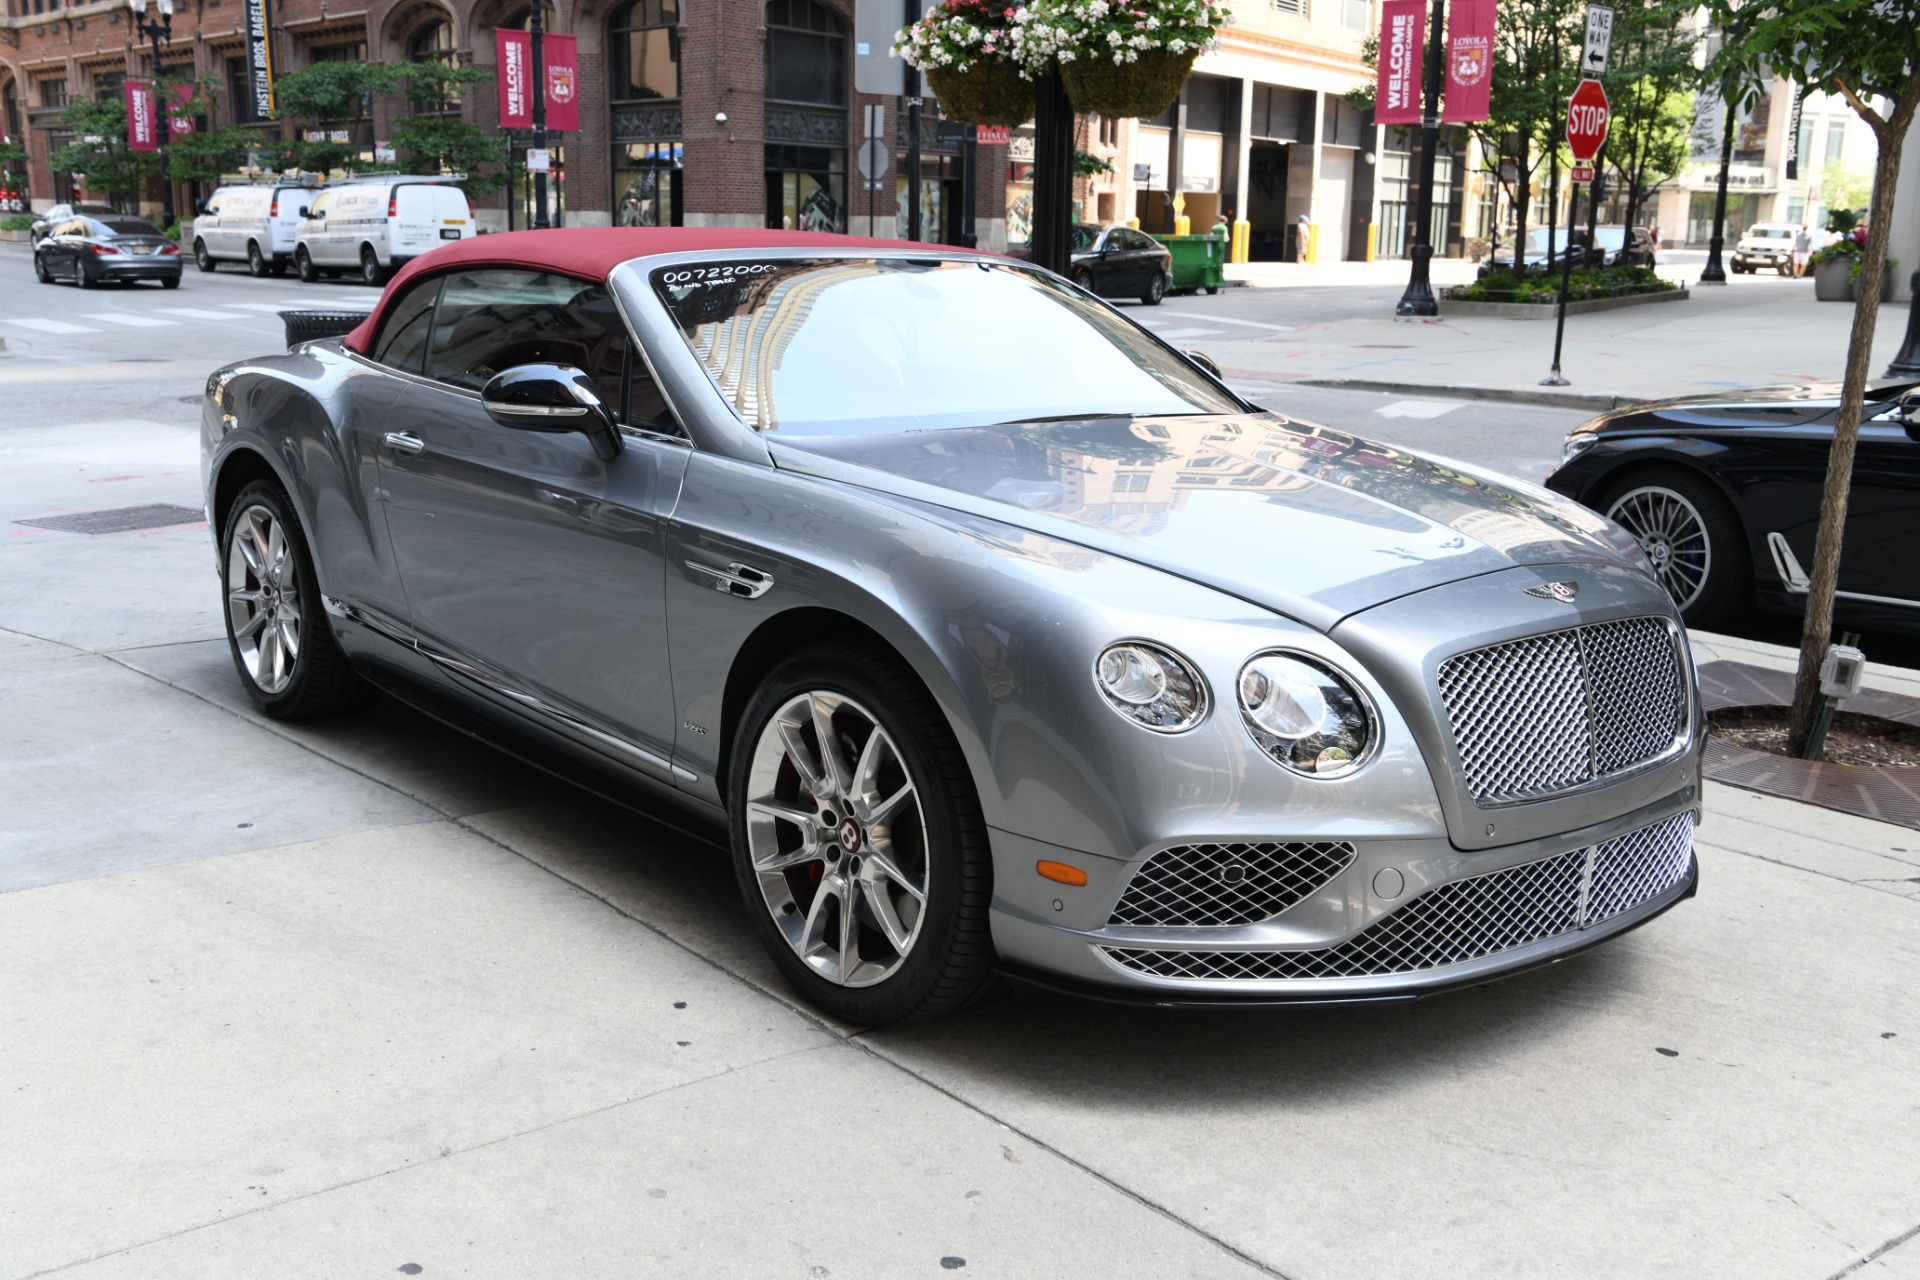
column 1403, row 919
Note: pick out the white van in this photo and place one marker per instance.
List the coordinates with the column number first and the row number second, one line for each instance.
column 252, row 224
column 370, row 227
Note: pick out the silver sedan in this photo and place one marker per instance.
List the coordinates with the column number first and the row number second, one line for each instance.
column 987, row 633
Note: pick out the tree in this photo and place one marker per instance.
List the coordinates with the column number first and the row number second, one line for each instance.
column 99, row 149
column 1650, row 79
column 207, row 153
column 1858, row 50
column 435, row 139
column 323, row 96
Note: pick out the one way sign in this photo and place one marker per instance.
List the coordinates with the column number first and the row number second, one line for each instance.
column 1593, row 58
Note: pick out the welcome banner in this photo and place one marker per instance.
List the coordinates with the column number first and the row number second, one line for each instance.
column 1469, row 61
column 1403, row 29
column 143, row 124
column 514, row 50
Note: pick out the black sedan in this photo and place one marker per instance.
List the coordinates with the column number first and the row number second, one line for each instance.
column 1120, row 262
column 1723, row 493
column 44, row 224
column 1616, row 246
column 93, row 251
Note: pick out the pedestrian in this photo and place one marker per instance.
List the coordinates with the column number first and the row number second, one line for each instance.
column 1802, row 248
column 1304, row 246
column 630, row 214
column 1223, row 224
column 1655, row 234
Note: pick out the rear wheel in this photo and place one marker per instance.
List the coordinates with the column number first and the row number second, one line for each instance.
column 1690, row 533
column 858, row 841
column 303, row 264
column 82, row 276
column 256, row 261
column 370, row 269
column 201, row 258
column 169, row 282
column 1156, row 289
column 276, row 626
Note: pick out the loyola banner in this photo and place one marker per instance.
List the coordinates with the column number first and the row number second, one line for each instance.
column 1403, row 29
column 1469, row 61
column 180, row 112
column 143, row 123
column 515, row 52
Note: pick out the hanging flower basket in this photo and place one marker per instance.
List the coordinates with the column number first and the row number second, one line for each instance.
column 1144, row 87
column 971, row 54
column 990, row 91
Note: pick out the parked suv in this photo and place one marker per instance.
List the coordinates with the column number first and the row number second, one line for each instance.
column 252, row 224
column 369, row 228
column 1766, row 244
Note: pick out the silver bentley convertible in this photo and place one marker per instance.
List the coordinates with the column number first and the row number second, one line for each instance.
column 990, row 634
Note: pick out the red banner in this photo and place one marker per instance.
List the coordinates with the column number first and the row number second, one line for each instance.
column 180, row 112
column 1403, row 30
column 563, row 83
column 143, row 127
column 1469, row 61
column 514, row 50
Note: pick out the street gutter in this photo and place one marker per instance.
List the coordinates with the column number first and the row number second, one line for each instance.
column 1598, row 401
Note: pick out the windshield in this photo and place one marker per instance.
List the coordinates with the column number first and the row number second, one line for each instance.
column 1771, row 233
column 864, row 346
column 1083, row 237
column 127, row 227
column 1537, row 239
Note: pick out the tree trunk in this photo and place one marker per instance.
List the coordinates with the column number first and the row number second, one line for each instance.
column 1817, row 627
column 1524, row 183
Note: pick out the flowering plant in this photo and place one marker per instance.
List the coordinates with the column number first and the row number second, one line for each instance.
column 1120, row 31
column 972, row 53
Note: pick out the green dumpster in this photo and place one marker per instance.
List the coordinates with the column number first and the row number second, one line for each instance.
column 1199, row 262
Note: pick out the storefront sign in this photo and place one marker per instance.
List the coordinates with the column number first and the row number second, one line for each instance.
column 514, row 50
column 142, row 122
column 382, row 153
column 1403, row 28
column 992, row 135
column 260, row 58
column 1469, row 61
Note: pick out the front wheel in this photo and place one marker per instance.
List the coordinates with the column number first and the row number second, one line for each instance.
column 1156, row 289
column 370, row 271
column 303, row 264
column 1690, row 533
column 201, row 258
column 276, row 625
column 858, row 840
column 40, row 271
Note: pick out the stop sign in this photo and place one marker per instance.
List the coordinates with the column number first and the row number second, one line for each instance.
column 1587, row 120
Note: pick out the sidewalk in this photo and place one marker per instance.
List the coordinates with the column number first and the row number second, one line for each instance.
column 1750, row 333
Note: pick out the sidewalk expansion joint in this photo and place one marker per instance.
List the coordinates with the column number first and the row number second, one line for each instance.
column 1876, row 1253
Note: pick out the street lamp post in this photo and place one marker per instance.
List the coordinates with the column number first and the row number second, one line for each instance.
column 536, row 29
column 1907, row 363
column 1715, row 273
column 1418, row 300
column 159, row 32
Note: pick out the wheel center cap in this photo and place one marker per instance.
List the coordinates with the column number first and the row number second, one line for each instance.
column 851, row 837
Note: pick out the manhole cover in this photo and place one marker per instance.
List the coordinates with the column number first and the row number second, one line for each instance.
column 120, row 519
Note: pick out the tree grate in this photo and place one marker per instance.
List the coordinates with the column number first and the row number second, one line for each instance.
column 158, row 515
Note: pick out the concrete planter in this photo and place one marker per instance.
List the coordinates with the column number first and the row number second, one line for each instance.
column 1830, row 283
column 18, row 237
column 1546, row 311
column 1886, row 286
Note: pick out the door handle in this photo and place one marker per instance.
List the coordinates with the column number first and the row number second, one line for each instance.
column 404, row 443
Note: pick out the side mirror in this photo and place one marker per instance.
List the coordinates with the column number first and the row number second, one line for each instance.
column 553, row 398
column 1204, row 360
column 1907, row 413
column 308, row 213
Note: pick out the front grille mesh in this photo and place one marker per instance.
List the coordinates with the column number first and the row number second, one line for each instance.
column 1467, row 919
column 1227, row 884
column 1540, row 715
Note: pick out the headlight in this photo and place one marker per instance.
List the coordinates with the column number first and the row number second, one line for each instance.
column 1151, row 686
column 1575, row 446
column 1305, row 716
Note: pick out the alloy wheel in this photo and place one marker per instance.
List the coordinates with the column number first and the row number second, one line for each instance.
column 263, row 599
column 256, row 262
column 303, row 264
column 1674, row 536
column 837, row 838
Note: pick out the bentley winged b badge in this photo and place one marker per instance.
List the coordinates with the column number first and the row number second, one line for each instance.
column 1564, row 592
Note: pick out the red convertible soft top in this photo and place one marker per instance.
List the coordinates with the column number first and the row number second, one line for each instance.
column 590, row 253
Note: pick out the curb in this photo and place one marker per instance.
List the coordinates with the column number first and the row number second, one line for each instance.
column 1599, row 401
column 1546, row 311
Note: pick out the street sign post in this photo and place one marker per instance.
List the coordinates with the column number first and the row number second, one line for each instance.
column 1593, row 56
column 1587, row 117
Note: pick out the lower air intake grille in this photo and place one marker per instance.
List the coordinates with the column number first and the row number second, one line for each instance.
column 1467, row 919
column 1227, row 884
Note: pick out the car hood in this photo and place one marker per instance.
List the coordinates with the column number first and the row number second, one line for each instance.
column 1312, row 523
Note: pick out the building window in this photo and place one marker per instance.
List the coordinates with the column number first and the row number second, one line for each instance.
column 549, row 22
column 106, row 85
column 644, row 39
column 806, row 188
column 240, row 91
column 1291, row 6
column 1836, row 140
column 647, row 176
column 53, row 93
column 434, row 43
column 806, row 54
column 339, row 53
column 1356, row 15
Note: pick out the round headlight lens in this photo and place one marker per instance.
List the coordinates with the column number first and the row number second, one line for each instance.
column 1304, row 715
column 1151, row 686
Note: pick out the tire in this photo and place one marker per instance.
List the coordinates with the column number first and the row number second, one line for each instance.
column 1691, row 533
column 40, row 271
column 201, row 258
column 277, row 267
column 82, row 277
column 256, row 261
column 1156, row 289
column 303, row 265
column 1084, row 278
column 888, row 727
column 371, row 271
column 264, row 560
column 169, row 282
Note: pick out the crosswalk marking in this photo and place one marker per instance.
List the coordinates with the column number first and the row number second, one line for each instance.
column 354, row 303
column 260, row 306
column 1417, row 408
column 130, row 320
column 1172, row 334
column 199, row 313
column 53, row 326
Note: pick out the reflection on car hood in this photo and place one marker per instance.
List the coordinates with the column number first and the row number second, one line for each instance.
column 1311, row 522
column 1790, row 404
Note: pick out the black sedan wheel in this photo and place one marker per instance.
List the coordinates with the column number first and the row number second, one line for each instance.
column 40, row 271
column 1689, row 533
column 1156, row 289
column 1084, row 278
column 858, row 840
column 201, row 258
column 276, row 626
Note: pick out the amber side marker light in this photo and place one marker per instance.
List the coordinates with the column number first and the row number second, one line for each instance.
column 1060, row 871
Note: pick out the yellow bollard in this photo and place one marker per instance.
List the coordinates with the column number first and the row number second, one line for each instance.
column 1243, row 241
column 1313, row 244
column 1373, row 240
column 1183, row 225
column 1134, row 223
